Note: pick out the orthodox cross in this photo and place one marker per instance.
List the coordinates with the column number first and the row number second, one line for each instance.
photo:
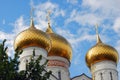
column 31, row 12
column 48, row 16
column 96, row 28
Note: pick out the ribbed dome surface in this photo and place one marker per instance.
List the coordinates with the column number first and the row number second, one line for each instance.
column 101, row 52
column 32, row 37
column 60, row 46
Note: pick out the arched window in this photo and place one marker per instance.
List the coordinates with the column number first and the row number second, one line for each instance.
column 111, row 76
column 101, row 75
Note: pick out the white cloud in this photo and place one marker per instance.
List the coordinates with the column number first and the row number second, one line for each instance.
column 2, row 35
column 116, row 25
column 96, row 11
column 19, row 25
column 73, row 38
column 83, row 18
column 41, row 13
column 9, row 42
column 43, row 8
column 106, row 7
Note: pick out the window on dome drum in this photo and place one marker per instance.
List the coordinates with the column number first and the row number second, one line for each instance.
column 111, row 76
column 101, row 75
column 59, row 75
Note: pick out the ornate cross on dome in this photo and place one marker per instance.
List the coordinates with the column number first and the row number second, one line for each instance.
column 49, row 29
column 98, row 38
column 48, row 16
column 31, row 15
column 31, row 12
column 96, row 28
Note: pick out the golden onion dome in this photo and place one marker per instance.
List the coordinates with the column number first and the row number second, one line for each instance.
column 32, row 37
column 101, row 52
column 60, row 46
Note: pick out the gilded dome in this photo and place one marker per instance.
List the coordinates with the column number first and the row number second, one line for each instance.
column 60, row 46
column 101, row 52
column 32, row 37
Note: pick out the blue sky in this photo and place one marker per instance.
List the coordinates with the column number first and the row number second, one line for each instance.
column 73, row 19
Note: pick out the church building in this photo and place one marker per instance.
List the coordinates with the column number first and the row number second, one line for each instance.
column 101, row 59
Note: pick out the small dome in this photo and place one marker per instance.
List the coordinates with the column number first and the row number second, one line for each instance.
column 60, row 46
column 101, row 52
column 32, row 37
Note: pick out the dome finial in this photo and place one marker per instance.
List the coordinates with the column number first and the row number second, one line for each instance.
column 49, row 30
column 97, row 34
column 31, row 15
column 48, row 16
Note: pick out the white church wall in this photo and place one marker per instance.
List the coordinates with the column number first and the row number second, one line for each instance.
column 28, row 52
column 59, row 67
column 105, row 70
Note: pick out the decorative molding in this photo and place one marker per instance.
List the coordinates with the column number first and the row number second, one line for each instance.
column 57, row 63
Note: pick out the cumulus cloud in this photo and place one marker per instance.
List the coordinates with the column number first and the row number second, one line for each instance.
column 41, row 13
column 106, row 7
column 95, row 11
column 19, row 25
column 83, row 18
column 77, row 38
column 9, row 42
column 54, row 8
column 92, row 12
column 116, row 25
